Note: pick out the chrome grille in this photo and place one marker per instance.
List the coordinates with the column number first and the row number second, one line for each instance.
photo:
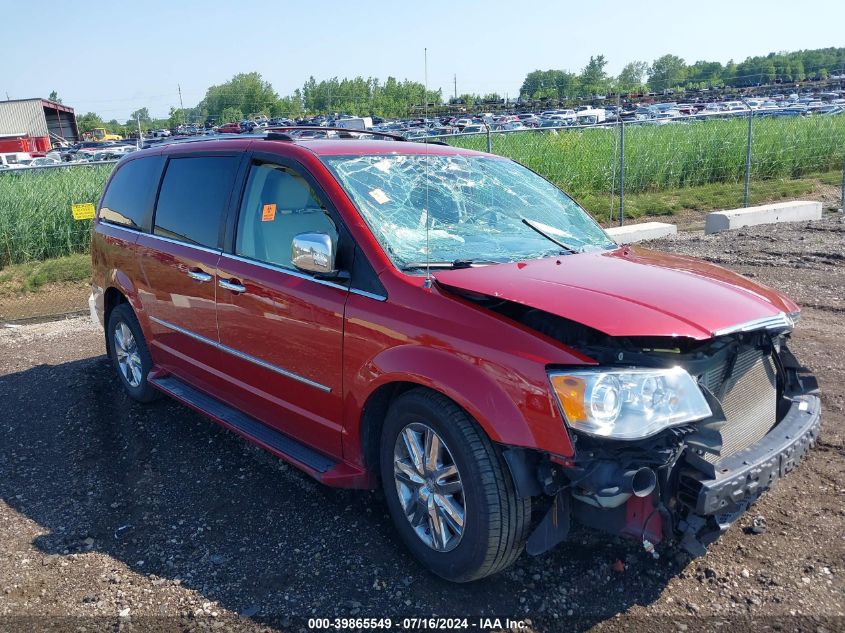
column 750, row 403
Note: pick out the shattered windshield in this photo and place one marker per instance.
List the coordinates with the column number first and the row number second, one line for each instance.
column 478, row 209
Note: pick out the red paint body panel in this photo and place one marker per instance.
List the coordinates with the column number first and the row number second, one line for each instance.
column 628, row 291
column 168, row 293
column 491, row 367
column 291, row 323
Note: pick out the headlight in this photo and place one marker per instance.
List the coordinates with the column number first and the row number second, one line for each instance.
column 628, row 404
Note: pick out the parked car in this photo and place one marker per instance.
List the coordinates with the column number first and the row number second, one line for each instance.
column 15, row 160
column 229, row 128
column 45, row 161
column 501, row 356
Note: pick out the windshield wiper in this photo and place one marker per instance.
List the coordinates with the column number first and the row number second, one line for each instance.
column 457, row 263
column 532, row 226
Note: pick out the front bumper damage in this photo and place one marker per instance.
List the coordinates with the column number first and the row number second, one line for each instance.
column 694, row 498
column 714, row 501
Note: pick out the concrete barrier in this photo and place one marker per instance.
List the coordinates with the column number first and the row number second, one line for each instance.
column 795, row 211
column 641, row 232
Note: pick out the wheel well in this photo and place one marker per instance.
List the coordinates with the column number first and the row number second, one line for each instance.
column 372, row 419
column 113, row 298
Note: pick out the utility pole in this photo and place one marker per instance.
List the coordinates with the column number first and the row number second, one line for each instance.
column 456, row 86
column 181, row 107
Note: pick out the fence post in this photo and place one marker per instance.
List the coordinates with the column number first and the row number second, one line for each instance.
column 621, row 172
column 842, row 201
column 748, row 155
column 489, row 139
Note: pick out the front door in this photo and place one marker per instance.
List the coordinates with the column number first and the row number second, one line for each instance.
column 282, row 329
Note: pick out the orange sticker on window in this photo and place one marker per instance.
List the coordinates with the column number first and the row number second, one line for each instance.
column 268, row 213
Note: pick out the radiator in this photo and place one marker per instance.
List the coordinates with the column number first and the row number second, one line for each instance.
column 750, row 403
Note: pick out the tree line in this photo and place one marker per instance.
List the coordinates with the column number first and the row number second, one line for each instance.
column 247, row 95
column 671, row 72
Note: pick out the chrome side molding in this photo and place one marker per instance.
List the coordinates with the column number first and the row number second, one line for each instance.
column 242, row 355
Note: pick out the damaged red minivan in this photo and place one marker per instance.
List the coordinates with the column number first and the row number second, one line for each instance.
column 451, row 326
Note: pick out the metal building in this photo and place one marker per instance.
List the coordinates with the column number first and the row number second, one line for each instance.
column 39, row 120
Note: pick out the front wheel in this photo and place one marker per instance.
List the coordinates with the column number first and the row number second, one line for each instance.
column 448, row 489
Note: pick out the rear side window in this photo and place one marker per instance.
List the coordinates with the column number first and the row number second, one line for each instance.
column 193, row 198
column 127, row 199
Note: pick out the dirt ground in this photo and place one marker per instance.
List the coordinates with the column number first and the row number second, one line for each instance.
column 119, row 516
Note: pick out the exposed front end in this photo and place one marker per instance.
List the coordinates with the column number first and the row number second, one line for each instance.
column 676, row 439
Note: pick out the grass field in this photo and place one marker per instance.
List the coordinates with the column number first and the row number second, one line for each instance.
column 584, row 161
column 668, row 168
column 35, row 215
column 19, row 279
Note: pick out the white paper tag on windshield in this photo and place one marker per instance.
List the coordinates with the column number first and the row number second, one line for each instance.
column 379, row 196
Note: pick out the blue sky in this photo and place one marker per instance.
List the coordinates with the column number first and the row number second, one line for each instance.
column 112, row 57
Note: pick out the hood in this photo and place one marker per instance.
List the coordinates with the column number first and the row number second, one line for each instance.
column 630, row 291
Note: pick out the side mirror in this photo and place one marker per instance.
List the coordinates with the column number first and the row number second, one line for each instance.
column 314, row 253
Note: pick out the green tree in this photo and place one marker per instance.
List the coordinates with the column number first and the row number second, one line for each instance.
column 704, row 74
column 632, row 77
column 141, row 114
column 230, row 115
column 89, row 121
column 666, row 72
column 549, row 84
column 593, row 79
column 246, row 92
column 54, row 97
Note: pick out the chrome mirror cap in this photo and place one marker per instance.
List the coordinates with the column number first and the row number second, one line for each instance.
column 314, row 253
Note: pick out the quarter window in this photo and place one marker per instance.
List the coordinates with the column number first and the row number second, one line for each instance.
column 278, row 205
column 193, row 198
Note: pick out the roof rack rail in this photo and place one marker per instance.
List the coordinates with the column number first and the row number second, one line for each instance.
column 341, row 131
column 198, row 139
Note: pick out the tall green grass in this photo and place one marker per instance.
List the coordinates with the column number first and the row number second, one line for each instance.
column 658, row 157
column 35, row 211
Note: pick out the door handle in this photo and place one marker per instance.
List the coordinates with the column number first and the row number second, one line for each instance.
column 199, row 275
column 232, row 284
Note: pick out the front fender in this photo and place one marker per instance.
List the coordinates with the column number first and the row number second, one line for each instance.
column 513, row 407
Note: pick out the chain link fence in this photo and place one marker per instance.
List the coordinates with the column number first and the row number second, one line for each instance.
column 659, row 166
column 618, row 171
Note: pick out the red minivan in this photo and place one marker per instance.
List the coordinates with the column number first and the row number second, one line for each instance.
column 451, row 326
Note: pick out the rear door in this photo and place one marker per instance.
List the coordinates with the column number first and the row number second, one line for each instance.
column 179, row 262
column 282, row 329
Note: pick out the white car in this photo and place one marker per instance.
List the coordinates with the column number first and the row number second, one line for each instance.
column 44, row 161
column 15, row 160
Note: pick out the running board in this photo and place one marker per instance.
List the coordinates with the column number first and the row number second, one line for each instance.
column 245, row 424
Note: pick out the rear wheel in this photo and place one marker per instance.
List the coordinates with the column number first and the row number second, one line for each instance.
column 448, row 489
column 129, row 354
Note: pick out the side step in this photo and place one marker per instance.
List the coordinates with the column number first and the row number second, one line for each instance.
column 244, row 424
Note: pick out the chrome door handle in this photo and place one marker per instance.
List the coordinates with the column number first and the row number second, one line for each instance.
column 199, row 275
column 232, row 285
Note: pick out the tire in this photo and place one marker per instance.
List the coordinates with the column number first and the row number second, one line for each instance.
column 122, row 319
column 495, row 520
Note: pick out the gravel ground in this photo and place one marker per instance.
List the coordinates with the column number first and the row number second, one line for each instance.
column 115, row 515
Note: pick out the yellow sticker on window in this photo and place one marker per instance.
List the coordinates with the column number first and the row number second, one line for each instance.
column 82, row 211
column 268, row 212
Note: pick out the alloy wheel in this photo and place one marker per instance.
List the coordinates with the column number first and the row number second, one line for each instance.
column 429, row 487
column 126, row 352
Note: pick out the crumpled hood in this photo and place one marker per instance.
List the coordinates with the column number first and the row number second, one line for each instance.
column 629, row 291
